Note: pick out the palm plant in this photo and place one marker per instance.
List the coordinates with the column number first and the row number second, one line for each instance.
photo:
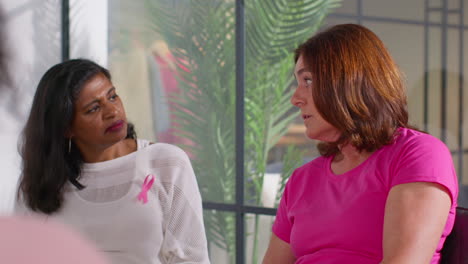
column 201, row 36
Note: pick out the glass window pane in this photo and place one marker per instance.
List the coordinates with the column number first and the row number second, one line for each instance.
column 272, row 34
column 409, row 56
column 434, row 80
column 257, row 236
column 453, row 4
column 89, row 30
column 463, row 177
column 221, row 235
column 173, row 63
column 347, row 7
column 465, row 11
column 334, row 20
column 452, row 89
column 396, row 9
column 453, row 19
column 465, row 95
column 435, row 17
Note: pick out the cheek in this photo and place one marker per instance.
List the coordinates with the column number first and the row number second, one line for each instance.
column 312, row 106
column 121, row 107
column 325, row 124
column 320, row 124
column 82, row 126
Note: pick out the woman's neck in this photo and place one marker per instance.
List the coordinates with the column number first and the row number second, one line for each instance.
column 117, row 150
column 348, row 158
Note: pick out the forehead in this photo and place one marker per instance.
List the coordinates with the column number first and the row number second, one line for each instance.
column 97, row 86
column 300, row 68
column 299, row 64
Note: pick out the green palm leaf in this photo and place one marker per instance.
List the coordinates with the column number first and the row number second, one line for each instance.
column 201, row 36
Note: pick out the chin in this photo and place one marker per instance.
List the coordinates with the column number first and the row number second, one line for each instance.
column 124, row 132
column 120, row 136
column 321, row 137
column 312, row 134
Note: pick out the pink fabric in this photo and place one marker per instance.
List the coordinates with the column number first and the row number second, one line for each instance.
column 328, row 218
column 147, row 183
column 27, row 240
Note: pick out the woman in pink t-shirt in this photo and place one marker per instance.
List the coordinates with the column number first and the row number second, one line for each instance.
column 381, row 192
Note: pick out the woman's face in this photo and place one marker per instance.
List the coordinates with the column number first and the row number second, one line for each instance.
column 316, row 127
column 99, row 119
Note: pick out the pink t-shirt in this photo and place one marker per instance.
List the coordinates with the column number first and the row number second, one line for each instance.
column 331, row 219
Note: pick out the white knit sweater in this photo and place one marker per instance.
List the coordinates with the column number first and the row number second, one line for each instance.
column 167, row 229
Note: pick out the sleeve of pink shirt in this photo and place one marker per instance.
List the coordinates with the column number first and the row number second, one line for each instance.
column 283, row 224
column 425, row 158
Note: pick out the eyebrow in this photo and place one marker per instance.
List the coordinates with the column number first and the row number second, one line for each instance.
column 299, row 72
column 97, row 100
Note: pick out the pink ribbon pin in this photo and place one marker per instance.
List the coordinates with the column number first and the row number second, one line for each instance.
column 143, row 195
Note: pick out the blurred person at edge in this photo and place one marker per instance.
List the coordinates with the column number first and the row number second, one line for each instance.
column 26, row 240
column 83, row 165
column 381, row 191
column 4, row 75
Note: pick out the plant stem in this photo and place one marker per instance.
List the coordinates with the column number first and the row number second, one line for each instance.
column 255, row 245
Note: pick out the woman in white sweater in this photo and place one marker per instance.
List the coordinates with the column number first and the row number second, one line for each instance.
column 82, row 164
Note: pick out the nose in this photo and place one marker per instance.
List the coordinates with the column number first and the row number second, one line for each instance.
column 111, row 110
column 297, row 99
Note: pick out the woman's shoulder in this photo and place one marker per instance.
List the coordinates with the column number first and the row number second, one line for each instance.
column 169, row 164
column 411, row 139
column 162, row 151
column 316, row 166
column 313, row 164
column 169, row 149
column 410, row 145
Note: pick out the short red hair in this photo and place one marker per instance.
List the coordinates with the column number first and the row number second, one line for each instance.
column 357, row 87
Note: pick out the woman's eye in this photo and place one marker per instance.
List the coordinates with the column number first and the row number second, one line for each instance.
column 113, row 97
column 92, row 110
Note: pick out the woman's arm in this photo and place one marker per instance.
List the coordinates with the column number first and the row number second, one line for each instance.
column 415, row 217
column 278, row 252
column 184, row 232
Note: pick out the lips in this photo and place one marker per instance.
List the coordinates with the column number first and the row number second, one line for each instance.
column 306, row 116
column 116, row 126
